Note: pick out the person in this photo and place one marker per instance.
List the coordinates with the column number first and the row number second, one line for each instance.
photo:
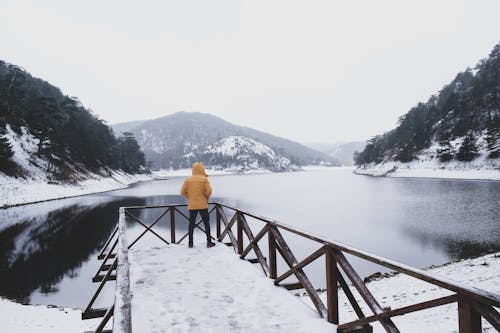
column 197, row 190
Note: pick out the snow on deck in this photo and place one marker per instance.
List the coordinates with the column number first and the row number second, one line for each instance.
column 177, row 289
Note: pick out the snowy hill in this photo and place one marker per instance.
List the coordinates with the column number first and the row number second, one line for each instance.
column 456, row 130
column 176, row 141
column 242, row 154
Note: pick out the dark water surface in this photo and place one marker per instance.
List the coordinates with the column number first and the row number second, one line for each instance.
column 48, row 250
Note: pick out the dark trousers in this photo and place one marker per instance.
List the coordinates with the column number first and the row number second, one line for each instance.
column 192, row 220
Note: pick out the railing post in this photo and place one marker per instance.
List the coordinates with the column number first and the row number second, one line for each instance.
column 172, row 225
column 332, row 296
column 273, row 272
column 469, row 320
column 239, row 227
column 217, row 218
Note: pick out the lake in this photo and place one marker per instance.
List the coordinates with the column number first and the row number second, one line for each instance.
column 48, row 250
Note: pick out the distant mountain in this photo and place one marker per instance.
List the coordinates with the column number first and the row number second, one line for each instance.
column 461, row 124
column 342, row 151
column 176, row 141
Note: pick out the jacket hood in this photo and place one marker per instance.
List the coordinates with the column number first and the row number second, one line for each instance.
column 198, row 169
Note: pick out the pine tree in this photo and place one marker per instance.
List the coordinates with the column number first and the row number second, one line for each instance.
column 468, row 149
column 445, row 154
column 5, row 147
column 493, row 141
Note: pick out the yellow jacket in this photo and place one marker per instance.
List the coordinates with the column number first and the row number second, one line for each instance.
column 197, row 188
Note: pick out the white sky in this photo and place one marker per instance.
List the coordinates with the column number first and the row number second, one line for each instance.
column 311, row 71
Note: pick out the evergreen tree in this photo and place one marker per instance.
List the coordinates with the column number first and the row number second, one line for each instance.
column 132, row 158
column 5, row 147
column 493, row 142
column 468, row 149
column 445, row 154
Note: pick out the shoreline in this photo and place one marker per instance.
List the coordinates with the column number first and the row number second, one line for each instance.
column 429, row 170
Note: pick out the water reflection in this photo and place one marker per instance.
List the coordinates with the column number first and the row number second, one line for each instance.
column 38, row 252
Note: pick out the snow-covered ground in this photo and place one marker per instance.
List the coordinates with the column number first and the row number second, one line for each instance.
column 211, row 290
column 402, row 290
column 427, row 165
column 18, row 318
column 178, row 289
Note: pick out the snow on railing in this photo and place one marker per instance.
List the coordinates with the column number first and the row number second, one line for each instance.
column 122, row 318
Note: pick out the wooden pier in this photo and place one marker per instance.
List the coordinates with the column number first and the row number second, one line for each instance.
column 266, row 239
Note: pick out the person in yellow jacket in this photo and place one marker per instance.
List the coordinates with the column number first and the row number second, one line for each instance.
column 197, row 190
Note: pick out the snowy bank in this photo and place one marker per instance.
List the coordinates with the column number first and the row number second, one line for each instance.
column 17, row 191
column 431, row 169
column 41, row 319
column 402, row 290
column 427, row 165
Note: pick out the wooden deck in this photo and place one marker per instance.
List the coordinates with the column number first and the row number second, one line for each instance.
column 248, row 233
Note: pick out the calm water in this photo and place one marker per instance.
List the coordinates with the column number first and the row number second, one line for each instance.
column 48, row 250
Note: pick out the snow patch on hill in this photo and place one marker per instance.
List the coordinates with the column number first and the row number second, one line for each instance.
column 243, row 154
column 36, row 185
column 427, row 164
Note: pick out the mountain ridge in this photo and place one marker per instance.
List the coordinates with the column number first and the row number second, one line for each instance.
column 176, row 140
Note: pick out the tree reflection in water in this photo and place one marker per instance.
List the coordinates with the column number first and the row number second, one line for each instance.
column 38, row 252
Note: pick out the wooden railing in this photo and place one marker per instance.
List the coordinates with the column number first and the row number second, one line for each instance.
column 473, row 303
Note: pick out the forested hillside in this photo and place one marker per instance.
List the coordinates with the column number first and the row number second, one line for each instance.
column 68, row 137
column 459, row 123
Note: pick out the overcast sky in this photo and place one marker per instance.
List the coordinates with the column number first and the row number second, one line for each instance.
column 311, row 71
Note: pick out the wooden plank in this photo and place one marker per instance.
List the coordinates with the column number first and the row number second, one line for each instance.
column 227, row 230
column 364, row 292
column 228, row 226
column 489, row 313
column 332, row 296
column 108, row 256
column 469, row 320
column 172, row 225
column 477, row 294
column 401, row 311
column 239, row 233
column 315, row 255
column 105, row 320
column 105, row 268
column 273, row 268
column 301, row 276
column 108, row 242
column 93, row 313
column 256, row 239
column 217, row 220
column 292, row 286
column 99, row 278
column 260, row 257
column 100, row 287
column 112, row 256
column 349, row 295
